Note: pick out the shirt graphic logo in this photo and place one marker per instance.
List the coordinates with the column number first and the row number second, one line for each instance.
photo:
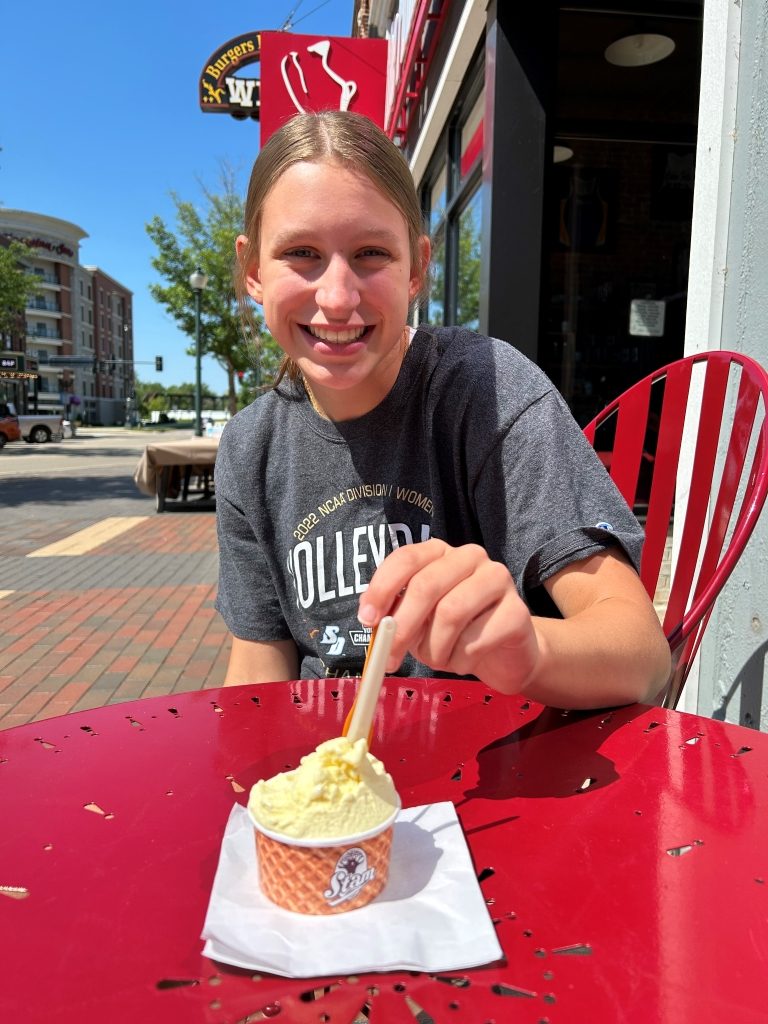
column 332, row 638
column 360, row 637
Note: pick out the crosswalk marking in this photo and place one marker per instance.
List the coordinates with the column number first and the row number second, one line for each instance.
column 91, row 537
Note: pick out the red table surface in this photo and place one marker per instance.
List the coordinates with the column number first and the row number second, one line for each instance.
column 623, row 856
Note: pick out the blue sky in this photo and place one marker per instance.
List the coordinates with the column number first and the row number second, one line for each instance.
column 100, row 122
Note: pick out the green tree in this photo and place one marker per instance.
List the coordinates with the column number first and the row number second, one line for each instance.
column 468, row 285
column 205, row 238
column 182, row 396
column 17, row 286
column 258, row 377
column 466, row 243
column 147, row 395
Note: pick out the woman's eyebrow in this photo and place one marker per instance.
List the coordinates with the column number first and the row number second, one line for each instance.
column 285, row 239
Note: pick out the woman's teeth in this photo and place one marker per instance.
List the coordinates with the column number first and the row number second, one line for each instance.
column 336, row 337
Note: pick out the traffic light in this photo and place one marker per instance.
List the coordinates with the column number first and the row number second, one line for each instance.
column 159, row 364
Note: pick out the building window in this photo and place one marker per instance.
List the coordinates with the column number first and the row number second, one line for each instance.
column 468, row 283
column 452, row 203
column 436, row 219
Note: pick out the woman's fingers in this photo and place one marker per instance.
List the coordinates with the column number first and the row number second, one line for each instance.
column 465, row 599
column 393, row 576
column 454, row 608
column 501, row 647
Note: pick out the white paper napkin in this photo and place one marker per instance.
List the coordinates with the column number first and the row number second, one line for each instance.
column 431, row 915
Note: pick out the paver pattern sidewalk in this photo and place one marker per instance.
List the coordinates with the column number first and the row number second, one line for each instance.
column 132, row 617
column 83, row 643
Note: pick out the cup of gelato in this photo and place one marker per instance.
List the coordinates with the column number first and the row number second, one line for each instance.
column 324, row 830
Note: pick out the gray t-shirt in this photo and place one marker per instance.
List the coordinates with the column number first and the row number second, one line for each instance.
column 473, row 444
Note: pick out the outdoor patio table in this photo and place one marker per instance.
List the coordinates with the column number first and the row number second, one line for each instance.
column 166, row 469
column 623, row 857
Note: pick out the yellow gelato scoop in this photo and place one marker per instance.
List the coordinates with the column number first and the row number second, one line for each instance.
column 338, row 790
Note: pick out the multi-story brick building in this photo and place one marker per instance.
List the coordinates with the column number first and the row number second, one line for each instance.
column 80, row 314
column 112, row 334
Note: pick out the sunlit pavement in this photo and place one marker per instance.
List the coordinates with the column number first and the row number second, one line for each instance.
column 102, row 600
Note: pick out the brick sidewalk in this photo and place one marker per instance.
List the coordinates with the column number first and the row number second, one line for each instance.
column 132, row 618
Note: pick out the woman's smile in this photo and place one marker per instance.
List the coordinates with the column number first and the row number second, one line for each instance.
column 337, row 338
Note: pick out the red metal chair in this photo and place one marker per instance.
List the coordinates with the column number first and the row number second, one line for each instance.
column 723, row 397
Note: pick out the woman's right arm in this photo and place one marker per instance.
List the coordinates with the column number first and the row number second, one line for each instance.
column 247, row 599
column 255, row 661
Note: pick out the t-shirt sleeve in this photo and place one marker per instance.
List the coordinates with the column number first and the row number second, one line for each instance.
column 247, row 599
column 559, row 504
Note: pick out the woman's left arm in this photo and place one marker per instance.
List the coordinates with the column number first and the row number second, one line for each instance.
column 609, row 647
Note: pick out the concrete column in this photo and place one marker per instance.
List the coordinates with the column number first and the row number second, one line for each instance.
column 728, row 309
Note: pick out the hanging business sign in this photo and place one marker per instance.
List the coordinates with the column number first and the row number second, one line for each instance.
column 221, row 91
column 298, row 73
column 307, row 73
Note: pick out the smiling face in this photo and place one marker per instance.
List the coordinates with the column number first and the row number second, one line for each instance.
column 334, row 277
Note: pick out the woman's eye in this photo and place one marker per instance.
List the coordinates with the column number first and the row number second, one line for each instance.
column 373, row 252
column 300, row 253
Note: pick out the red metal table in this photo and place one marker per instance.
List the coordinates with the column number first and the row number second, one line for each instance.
column 623, row 856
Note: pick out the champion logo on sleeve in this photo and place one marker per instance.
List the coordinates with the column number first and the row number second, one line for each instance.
column 602, row 525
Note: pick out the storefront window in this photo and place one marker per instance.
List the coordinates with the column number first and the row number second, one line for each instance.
column 472, row 137
column 438, row 195
column 619, row 201
column 618, row 267
column 437, row 280
column 468, row 291
column 452, row 203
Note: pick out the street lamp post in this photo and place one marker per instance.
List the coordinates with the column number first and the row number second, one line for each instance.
column 198, row 280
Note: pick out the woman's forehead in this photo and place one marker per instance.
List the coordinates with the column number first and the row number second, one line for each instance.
column 325, row 189
column 325, row 173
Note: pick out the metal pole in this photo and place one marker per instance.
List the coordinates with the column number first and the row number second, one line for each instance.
column 198, row 384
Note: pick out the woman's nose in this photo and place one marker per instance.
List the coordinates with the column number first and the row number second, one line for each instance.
column 337, row 289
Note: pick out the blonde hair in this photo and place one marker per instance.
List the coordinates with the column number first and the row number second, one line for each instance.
column 334, row 136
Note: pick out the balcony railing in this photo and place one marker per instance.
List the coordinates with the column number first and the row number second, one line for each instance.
column 43, row 332
column 50, row 307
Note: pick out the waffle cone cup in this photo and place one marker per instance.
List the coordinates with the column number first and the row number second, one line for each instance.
column 324, row 876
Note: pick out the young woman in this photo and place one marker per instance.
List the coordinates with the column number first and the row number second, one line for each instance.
column 434, row 474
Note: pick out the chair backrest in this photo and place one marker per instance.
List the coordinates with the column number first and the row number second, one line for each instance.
column 715, row 404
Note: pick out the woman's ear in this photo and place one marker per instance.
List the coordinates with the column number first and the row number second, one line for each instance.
column 419, row 272
column 251, row 273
